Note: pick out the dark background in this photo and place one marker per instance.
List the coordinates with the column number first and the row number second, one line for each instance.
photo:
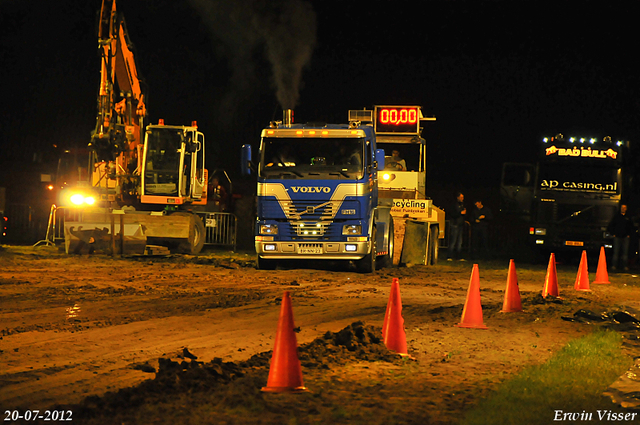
column 498, row 75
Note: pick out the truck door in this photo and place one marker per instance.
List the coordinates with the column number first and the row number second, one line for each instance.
column 198, row 175
column 517, row 187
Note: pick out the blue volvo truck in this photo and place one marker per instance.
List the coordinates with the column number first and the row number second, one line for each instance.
column 318, row 194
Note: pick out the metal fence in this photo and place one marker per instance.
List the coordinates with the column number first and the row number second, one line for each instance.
column 55, row 225
column 221, row 228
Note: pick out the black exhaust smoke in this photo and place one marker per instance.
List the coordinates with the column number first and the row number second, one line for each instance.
column 286, row 29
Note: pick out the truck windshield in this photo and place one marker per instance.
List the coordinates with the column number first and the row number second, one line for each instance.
column 162, row 165
column 572, row 178
column 311, row 158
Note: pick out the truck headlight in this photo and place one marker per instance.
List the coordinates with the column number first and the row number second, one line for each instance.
column 268, row 229
column 352, row 229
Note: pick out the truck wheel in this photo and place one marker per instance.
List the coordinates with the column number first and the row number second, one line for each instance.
column 197, row 235
column 264, row 264
column 433, row 245
column 368, row 263
column 386, row 261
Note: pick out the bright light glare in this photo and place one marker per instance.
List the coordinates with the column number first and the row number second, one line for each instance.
column 77, row 199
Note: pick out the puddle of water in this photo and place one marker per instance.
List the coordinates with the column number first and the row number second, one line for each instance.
column 73, row 312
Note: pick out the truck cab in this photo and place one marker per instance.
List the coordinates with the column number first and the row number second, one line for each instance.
column 318, row 194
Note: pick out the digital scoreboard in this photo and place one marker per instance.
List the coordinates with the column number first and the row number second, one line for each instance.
column 397, row 120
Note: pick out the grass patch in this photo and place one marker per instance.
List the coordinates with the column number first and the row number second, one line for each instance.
column 572, row 381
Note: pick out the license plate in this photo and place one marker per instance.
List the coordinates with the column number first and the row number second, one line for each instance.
column 574, row 243
column 310, row 251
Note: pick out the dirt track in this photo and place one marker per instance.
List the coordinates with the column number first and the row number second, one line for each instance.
column 80, row 326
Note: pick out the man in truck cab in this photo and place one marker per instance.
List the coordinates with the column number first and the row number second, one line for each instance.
column 395, row 163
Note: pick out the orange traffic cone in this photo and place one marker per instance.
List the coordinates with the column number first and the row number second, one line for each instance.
column 472, row 312
column 551, row 279
column 582, row 278
column 512, row 301
column 285, row 372
column 602, row 276
column 393, row 334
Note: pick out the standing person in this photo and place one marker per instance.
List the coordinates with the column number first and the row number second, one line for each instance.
column 456, row 228
column 480, row 216
column 218, row 194
column 621, row 227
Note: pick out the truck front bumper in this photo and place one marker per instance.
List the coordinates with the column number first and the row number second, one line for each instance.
column 312, row 250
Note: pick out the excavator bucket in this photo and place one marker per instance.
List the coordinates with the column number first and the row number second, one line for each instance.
column 131, row 233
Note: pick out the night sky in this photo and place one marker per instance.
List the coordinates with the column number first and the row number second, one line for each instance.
column 498, row 75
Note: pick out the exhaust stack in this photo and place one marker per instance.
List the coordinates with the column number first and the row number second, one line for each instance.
column 287, row 117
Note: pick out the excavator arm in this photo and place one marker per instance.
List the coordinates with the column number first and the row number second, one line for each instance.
column 117, row 136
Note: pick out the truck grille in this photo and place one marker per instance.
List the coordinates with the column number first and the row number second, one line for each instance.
column 575, row 214
column 311, row 211
column 307, row 229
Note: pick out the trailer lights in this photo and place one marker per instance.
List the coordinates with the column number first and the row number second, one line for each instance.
column 268, row 229
column 352, row 229
column 538, row 231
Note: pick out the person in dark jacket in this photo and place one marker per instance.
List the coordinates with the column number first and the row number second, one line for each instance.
column 480, row 218
column 456, row 228
column 621, row 228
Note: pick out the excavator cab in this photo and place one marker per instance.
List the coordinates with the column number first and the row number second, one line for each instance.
column 173, row 165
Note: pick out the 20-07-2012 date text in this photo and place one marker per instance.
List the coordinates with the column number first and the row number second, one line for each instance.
column 38, row 415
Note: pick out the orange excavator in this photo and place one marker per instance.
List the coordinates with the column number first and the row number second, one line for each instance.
column 150, row 180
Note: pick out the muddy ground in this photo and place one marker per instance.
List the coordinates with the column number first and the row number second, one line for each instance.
column 184, row 339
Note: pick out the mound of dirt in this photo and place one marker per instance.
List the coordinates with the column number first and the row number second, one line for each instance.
column 356, row 342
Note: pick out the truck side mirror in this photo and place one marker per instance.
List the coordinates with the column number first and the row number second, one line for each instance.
column 380, row 159
column 245, row 160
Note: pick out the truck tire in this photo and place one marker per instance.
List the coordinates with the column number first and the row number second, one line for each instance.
column 368, row 263
column 197, row 235
column 432, row 253
column 386, row 261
